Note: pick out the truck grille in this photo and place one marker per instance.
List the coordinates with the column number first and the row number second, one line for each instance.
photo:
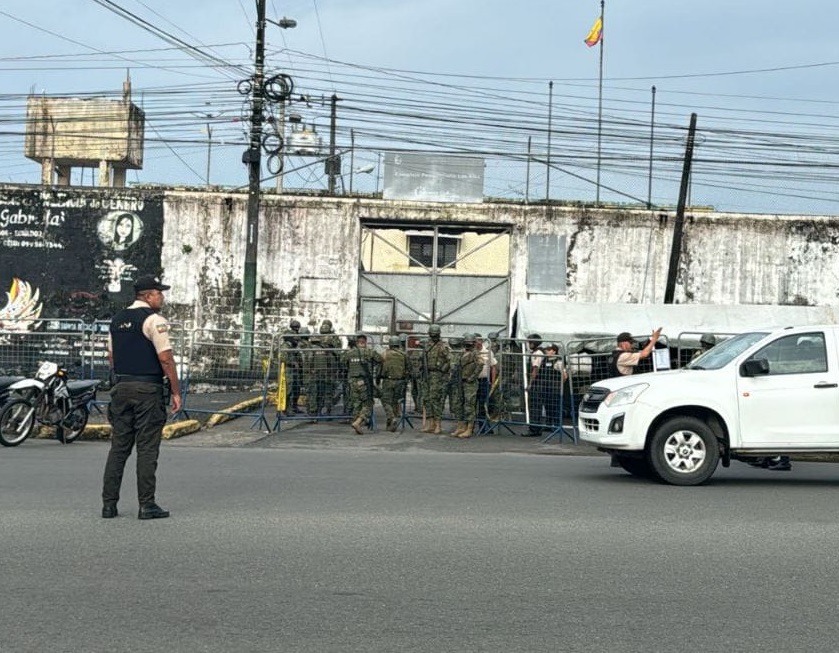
column 592, row 399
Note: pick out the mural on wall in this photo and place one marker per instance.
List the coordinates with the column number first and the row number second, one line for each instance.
column 22, row 309
column 78, row 252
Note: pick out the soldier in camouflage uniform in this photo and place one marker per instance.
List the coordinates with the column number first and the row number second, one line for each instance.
column 469, row 368
column 315, row 375
column 394, row 374
column 292, row 357
column 453, row 390
column 332, row 343
column 436, row 365
column 415, row 371
column 360, row 362
column 304, row 347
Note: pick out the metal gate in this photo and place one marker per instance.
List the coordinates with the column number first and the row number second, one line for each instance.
column 412, row 275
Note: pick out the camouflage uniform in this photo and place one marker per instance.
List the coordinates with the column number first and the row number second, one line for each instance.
column 330, row 341
column 322, row 363
column 415, row 355
column 360, row 362
column 394, row 373
column 436, row 364
column 454, row 391
column 469, row 368
column 291, row 355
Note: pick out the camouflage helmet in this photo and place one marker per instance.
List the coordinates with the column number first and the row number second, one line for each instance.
column 455, row 342
column 708, row 340
column 294, row 325
column 360, row 335
column 468, row 339
column 434, row 329
column 394, row 341
column 326, row 326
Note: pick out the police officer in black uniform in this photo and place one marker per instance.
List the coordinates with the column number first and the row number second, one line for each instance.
column 141, row 356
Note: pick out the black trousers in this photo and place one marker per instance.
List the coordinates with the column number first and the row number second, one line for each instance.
column 137, row 415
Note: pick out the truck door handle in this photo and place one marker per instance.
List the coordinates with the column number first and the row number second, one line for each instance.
column 824, row 384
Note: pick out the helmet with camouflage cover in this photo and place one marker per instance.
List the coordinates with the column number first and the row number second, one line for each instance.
column 708, row 340
column 434, row 331
column 326, row 326
column 468, row 339
column 455, row 342
column 394, row 342
column 294, row 325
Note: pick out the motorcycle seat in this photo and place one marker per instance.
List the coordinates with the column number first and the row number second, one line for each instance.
column 80, row 387
column 6, row 381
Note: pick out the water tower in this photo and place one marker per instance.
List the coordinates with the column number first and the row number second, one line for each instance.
column 63, row 133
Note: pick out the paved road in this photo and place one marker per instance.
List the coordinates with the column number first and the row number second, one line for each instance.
column 348, row 549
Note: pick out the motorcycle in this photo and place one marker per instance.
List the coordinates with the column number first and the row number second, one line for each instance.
column 5, row 382
column 50, row 399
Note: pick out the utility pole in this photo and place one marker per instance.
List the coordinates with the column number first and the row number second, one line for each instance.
column 209, row 150
column 252, row 157
column 678, row 228
column 333, row 165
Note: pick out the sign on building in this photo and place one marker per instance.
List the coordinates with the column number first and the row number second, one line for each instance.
column 433, row 177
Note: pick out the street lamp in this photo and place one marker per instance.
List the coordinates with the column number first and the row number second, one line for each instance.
column 208, row 117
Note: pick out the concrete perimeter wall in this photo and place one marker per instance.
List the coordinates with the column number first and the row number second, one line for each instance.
column 308, row 253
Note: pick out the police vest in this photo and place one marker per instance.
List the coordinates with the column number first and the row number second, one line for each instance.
column 133, row 353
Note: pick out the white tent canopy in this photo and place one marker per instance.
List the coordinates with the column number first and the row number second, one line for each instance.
column 568, row 321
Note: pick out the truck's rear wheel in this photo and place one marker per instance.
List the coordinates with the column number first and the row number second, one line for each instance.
column 684, row 451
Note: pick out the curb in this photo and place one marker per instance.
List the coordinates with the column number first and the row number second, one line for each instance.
column 228, row 413
column 103, row 431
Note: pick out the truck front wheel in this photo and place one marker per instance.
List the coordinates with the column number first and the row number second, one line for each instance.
column 684, row 451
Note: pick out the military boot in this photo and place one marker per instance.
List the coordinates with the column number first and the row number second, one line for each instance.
column 427, row 425
column 467, row 430
column 357, row 425
column 458, row 429
column 438, row 427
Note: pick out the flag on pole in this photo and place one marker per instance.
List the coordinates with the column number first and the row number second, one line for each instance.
column 595, row 34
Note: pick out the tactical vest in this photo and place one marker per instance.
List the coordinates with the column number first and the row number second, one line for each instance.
column 470, row 366
column 133, row 353
column 394, row 366
column 613, row 363
column 358, row 363
column 437, row 357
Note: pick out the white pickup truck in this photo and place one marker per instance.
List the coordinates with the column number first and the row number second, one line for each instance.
column 773, row 392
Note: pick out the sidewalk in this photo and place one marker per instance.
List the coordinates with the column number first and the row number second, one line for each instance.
column 205, row 429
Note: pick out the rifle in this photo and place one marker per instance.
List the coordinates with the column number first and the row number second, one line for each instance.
column 368, row 376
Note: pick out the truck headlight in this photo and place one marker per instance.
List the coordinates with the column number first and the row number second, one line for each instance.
column 625, row 396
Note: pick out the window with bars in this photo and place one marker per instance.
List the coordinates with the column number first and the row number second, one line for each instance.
column 421, row 250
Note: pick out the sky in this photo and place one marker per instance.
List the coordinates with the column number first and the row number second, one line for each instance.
column 463, row 77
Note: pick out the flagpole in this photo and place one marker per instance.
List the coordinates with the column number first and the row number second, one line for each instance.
column 600, row 97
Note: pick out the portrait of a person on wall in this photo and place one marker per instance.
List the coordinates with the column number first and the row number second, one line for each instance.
column 120, row 230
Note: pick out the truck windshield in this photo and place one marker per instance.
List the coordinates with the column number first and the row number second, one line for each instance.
column 725, row 352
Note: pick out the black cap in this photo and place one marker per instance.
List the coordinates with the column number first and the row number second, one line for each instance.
column 625, row 336
column 149, row 282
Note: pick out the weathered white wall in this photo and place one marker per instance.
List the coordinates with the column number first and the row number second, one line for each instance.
column 309, row 248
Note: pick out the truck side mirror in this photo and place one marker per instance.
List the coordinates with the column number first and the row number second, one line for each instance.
column 755, row 367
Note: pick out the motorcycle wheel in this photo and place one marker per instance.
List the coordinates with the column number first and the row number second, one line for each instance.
column 17, row 419
column 72, row 426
